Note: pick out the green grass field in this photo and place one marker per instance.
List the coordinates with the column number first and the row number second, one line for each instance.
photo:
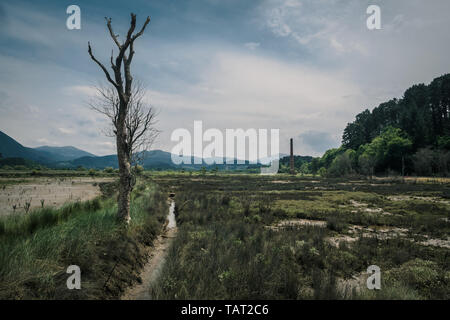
column 240, row 236
column 38, row 247
column 233, row 243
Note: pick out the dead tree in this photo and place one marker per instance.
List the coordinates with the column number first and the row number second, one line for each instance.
column 139, row 123
column 122, row 113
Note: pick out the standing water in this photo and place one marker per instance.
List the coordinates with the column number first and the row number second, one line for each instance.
column 171, row 216
column 154, row 265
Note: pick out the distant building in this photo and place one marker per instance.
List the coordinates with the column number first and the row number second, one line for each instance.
column 291, row 161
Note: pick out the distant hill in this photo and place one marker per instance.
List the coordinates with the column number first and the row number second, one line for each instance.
column 18, row 162
column 91, row 162
column 150, row 159
column 10, row 148
column 71, row 158
column 154, row 159
column 64, row 153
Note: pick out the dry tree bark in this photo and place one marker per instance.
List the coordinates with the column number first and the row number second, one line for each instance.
column 123, row 103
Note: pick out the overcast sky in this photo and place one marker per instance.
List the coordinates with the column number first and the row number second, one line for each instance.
column 306, row 67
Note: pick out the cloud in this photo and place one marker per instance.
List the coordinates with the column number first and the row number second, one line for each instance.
column 85, row 91
column 318, row 141
column 410, row 48
column 311, row 64
column 254, row 91
column 106, row 143
column 277, row 16
column 46, row 142
column 252, row 45
column 66, row 131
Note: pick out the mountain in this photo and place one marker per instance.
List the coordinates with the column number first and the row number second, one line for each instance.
column 10, row 148
column 71, row 158
column 148, row 159
column 64, row 153
column 91, row 162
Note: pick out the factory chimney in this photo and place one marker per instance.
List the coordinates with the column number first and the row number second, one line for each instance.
column 291, row 162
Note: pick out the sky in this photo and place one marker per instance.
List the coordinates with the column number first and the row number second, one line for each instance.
column 305, row 67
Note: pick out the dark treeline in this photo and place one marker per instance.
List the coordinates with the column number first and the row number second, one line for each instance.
column 423, row 114
column 300, row 162
column 409, row 136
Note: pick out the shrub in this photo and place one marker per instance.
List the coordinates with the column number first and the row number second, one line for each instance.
column 226, row 200
column 322, row 172
column 426, row 277
column 342, row 165
column 138, row 169
column 108, row 170
column 334, row 224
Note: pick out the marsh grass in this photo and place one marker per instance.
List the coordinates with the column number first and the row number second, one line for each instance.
column 37, row 248
column 224, row 249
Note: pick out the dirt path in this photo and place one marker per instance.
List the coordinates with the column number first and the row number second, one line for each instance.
column 153, row 267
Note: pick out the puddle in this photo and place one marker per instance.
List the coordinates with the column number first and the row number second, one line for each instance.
column 409, row 198
column 298, row 223
column 280, row 181
column 381, row 233
column 337, row 240
column 436, row 243
column 364, row 207
column 357, row 204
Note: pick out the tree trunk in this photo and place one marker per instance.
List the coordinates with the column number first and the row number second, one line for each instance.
column 125, row 181
column 123, row 212
column 123, row 149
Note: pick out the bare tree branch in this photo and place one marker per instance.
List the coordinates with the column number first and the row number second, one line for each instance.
column 132, row 120
column 101, row 66
column 111, row 32
column 147, row 21
column 140, row 119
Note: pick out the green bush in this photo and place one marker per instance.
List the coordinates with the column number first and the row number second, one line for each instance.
column 425, row 277
column 108, row 170
column 335, row 224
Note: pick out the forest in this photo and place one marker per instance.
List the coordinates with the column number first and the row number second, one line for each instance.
column 407, row 136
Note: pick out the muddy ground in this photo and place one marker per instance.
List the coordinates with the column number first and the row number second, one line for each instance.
column 44, row 191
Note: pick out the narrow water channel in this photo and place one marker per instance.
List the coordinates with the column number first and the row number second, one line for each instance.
column 171, row 216
column 158, row 254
